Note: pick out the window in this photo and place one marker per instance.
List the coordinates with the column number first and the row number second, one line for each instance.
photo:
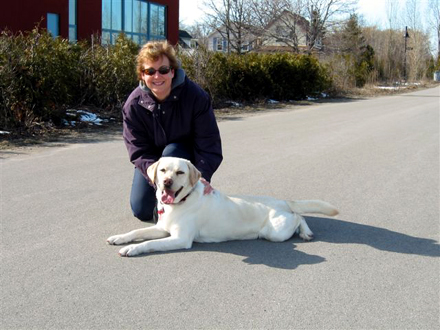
column 157, row 22
column 72, row 20
column 53, row 24
column 219, row 44
column 246, row 47
column 140, row 20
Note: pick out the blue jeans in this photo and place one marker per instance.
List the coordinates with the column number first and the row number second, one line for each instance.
column 143, row 195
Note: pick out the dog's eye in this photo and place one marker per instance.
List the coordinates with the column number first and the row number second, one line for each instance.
column 180, row 172
column 163, row 170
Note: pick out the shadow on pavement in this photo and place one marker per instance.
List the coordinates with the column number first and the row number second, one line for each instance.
column 285, row 255
column 261, row 252
column 344, row 232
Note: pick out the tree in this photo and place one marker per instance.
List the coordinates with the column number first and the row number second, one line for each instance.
column 323, row 15
column 392, row 11
column 231, row 18
column 362, row 54
column 352, row 38
column 285, row 16
column 418, row 53
column 392, row 54
column 316, row 15
column 434, row 10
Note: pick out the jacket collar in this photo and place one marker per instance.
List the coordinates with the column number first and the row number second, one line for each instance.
column 147, row 99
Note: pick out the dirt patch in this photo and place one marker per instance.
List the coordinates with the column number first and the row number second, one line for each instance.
column 56, row 137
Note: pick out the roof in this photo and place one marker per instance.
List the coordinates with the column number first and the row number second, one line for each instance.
column 299, row 19
column 184, row 34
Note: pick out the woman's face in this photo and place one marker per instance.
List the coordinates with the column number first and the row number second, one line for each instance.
column 159, row 84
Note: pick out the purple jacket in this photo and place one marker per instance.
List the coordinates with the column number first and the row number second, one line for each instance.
column 185, row 116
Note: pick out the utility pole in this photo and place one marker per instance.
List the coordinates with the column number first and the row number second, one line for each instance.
column 406, row 48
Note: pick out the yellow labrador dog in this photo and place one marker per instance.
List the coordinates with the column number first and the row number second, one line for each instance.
column 191, row 211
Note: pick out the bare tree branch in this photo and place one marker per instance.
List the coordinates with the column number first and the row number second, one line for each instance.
column 434, row 9
column 231, row 19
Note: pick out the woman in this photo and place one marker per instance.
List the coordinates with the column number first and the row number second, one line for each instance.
column 167, row 115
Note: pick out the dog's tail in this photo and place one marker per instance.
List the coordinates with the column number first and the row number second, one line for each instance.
column 313, row 206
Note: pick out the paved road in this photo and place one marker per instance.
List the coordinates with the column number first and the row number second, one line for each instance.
column 374, row 267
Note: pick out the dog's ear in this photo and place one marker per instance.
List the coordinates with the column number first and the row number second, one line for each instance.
column 194, row 174
column 152, row 170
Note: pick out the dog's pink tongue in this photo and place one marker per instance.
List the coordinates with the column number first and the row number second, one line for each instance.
column 167, row 197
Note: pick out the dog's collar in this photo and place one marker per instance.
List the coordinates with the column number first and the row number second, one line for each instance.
column 184, row 198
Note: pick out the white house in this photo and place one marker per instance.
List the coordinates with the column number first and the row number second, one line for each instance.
column 287, row 32
column 218, row 42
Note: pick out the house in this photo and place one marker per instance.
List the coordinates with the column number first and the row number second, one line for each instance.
column 186, row 41
column 218, row 42
column 140, row 20
column 287, row 32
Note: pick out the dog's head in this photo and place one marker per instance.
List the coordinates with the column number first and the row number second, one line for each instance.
column 174, row 178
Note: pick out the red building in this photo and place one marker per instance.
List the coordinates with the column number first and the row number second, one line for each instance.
column 141, row 20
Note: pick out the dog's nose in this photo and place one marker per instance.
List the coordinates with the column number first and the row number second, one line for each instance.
column 168, row 182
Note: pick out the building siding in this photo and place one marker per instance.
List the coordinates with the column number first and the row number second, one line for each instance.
column 24, row 15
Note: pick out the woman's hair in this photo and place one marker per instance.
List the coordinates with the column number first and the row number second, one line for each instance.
column 153, row 51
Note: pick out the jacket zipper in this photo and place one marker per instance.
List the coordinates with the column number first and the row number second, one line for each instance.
column 159, row 124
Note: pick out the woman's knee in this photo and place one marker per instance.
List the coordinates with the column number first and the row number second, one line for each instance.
column 180, row 150
column 142, row 197
column 142, row 210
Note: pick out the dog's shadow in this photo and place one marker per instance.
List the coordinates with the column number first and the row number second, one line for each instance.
column 344, row 232
column 261, row 252
column 285, row 255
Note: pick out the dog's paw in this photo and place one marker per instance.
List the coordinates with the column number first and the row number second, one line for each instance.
column 307, row 236
column 116, row 240
column 129, row 251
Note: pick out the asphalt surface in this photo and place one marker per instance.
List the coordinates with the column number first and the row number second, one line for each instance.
column 376, row 266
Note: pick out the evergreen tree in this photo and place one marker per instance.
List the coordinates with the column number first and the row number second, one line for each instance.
column 362, row 54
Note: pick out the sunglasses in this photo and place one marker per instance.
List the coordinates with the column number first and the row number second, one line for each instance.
column 162, row 70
